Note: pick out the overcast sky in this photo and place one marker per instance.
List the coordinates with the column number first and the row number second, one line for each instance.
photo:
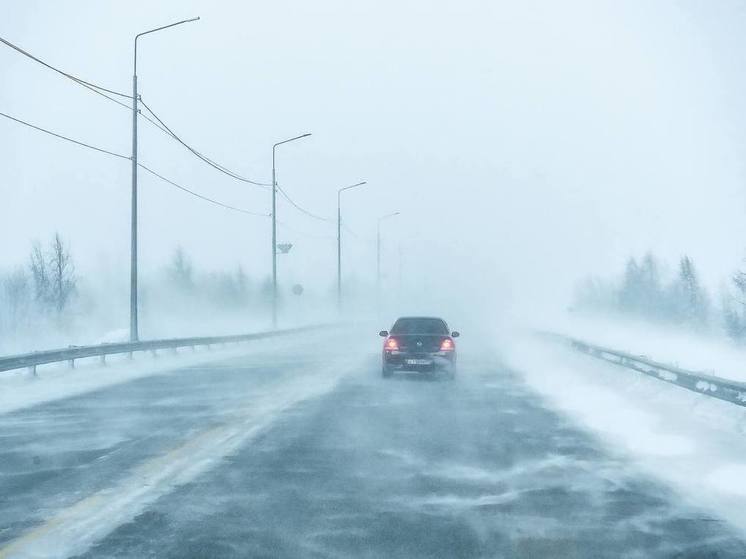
column 525, row 143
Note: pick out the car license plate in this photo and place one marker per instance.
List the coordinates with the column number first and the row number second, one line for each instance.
column 419, row 362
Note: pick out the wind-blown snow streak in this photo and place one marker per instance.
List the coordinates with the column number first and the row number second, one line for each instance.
column 687, row 439
column 56, row 381
column 75, row 529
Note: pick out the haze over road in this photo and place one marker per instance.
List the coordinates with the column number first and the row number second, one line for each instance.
column 308, row 452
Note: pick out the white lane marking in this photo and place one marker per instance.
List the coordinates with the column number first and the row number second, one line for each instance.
column 75, row 529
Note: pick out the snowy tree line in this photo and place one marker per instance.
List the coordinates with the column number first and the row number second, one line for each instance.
column 40, row 292
column 644, row 290
column 222, row 289
column 47, row 293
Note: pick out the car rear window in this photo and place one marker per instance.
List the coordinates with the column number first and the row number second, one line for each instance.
column 420, row 326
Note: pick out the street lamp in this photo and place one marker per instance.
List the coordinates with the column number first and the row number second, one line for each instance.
column 378, row 250
column 274, row 227
column 339, row 240
column 133, row 246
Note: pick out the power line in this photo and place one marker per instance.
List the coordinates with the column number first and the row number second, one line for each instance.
column 151, row 121
column 76, row 79
column 66, row 138
column 88, row 85
column 200, row 196
column 300, row 208
column 350, row 231
column 355, row 236
column 110, row 98
column 102, row 91
column 202, row 157
column 168, row 132
column 120, row 156
column 97, row 89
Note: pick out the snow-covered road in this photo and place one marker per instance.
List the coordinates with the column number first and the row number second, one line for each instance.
column 302, row 452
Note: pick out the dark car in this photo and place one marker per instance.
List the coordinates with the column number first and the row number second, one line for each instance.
column 421, row 344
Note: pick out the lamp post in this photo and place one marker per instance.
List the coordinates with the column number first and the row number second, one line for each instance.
column 274, row 227
column 134, row 335
column 378, row 251
column 339, row 240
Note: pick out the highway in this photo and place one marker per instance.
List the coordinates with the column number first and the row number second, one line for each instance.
column 305, row 451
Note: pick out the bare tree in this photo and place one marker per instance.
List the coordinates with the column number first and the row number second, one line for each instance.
column 181, row 272
column 61, row 271
column 40, row 276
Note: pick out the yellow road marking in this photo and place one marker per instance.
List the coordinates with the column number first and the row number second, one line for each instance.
column 74, row 529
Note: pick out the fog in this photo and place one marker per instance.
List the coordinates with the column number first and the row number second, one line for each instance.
column 525, row 144
column 559, row 171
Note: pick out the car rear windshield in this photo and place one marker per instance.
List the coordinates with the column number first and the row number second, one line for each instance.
column 420, row 326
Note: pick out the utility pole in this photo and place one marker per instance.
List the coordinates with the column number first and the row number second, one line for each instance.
column 339, row 240
column 134, row 328
column 274, row 242
column 274, row 226
column 339, row 252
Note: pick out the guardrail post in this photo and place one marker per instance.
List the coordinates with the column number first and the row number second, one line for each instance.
column 71, row 363
column 103, row 359
column 32, row 371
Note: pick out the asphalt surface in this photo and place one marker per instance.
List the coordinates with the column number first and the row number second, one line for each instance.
column 305, row 453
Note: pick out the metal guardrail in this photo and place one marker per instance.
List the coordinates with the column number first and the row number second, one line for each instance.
column 70, row 354
column 702, row 383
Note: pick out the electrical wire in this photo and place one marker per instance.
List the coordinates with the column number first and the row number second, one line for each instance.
column 199, row 155
column 350, row 231
column 300, row 208
column 179, row 186
column 102, row 91
column 76, row 79
column 97, row 89
column 66, row 138
column 88, row 85
column 355, row 236
column 200, row 196
column 320, row 218
column 120, row 156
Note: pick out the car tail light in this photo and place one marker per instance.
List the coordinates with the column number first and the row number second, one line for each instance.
column 447, row 345
column 391, row 345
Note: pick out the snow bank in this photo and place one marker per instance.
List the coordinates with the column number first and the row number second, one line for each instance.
column 693, row 443
column 702, row 353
